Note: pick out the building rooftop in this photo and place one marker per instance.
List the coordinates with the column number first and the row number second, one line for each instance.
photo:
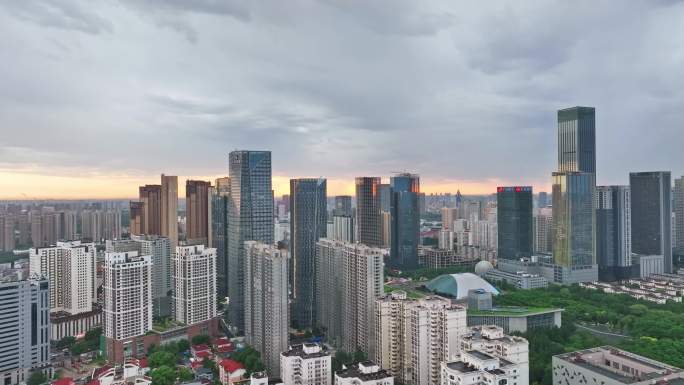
column 356, row 371
column 307, row 350
column 461, row 366
column 513, row 311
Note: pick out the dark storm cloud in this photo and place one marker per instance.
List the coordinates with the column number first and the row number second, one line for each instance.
column 339, row 88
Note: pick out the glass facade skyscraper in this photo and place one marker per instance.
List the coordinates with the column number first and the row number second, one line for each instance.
column 220, row 198
column 577, row 140
column 368, row 211
column 308, row 223
column 652, row 215
column 250, row 218
column 405, row 221
column 514, row 219
column 613, row 232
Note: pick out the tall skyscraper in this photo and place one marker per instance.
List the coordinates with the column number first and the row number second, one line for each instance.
column 368, row 211
column 349, row 280
column 169, row 209
column 577, row 140
column 679, row 214
column 308, row 223
column 25, row 329
column 197, row 211
column 267, row 318
column 543, row 234
column 6, row 232
column 137, row 218
column 385, row 197
column 574, row 217
column 651, row 215
column 449, row 215
column 194, row 283
column 514, row 219
column 343, row 206
column 405, row 234
column 151, row 197
column 250, row 219
column 219, row 218
column 542, row 199
column 613, row 232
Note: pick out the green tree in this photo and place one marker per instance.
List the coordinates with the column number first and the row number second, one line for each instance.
column 185, row 374
column 183, row 345
column 201, row 339
column 66, row 343
column 162, row 358
column 36, row 378
column 163, row 375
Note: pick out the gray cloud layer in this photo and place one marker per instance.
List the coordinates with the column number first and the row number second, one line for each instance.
column 339, row 88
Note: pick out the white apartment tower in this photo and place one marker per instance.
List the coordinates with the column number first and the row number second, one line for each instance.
column 413, row 337
column 194, row 283
column 306, row 364
column 70, row 267
column 267, row 317
column 127, row 283
column 491, row 340
column 350, row 279
column 363, row 373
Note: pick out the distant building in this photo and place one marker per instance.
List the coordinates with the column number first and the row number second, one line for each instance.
column 449, row 215
column 405, row 233
column 267, row 317
column 343, row 206
column 577, row 140
column 25, row 343
column 342, row 229
column 169, row 209
column 150, row 196
column 611, row 366
column 137, row 218
column 306, row 364
column 520, row 279
column 514, row 222
column 220, row 199
column 198, row 212
column 651, row 215
column 194, row 284
column 6, row 232
column 678, row 209
column 543, row 236
column 613, row 233
column 368, row 211
column 363, row 373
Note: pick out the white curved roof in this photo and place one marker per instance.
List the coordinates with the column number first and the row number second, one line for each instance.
column 458, row 285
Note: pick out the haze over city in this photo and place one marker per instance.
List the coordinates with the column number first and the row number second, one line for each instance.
column 98, row 98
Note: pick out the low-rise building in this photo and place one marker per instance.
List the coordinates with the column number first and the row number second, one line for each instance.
column 231, row 372
column 306, row 364
column 607, row 365
column 510, row 318
column 519, row 279
column 478, row 368
column 363, row 373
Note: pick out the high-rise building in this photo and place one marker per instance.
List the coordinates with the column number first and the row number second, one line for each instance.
column 308, row 223
column 70, row 268
column 197, row 211
column 613, row 232
column 219, row 218
column 385, row 197
column 385, row 229
column 349, row 280
column 267, row 318
column 543, row 234
column 651, row 215
column 542, row 199
column 169, row 209
column 405, row 234
column 574, row 223
column 127, row 310
column 6, row 232
column 44, row 228
column 306, row 364
column 250, row 219
column 194, row 284
column 577, row 140
column 97, row 225
column 342, row 229
column 368, row 211
column 343, row 206
column 137, row 218
column 514, row 222
column 413, row 337
column 159, row 248
column 151, row 195
column 25, row 338
column 679, row 214
column 449, row 215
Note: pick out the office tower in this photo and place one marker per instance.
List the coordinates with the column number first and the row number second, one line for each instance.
column 267, row 318
column 679, row 214
column 491, row 341
column 197, row 211
column 25, row 329
column 542, row 199
column 343, row 206
column 613, row 232
column 137, row 218
column 514, row 219
column 365, row 373
column 306, row 364
column 368, row 211
column 127, row 283
column 577, row 140
column 414, row 336
column 449, row 215
column 6, row 232
column 169, row 209
column 651, row 211
column 342, row 229
column 405, row 233
column 70, row 268
column 308, row 223
column 574, row 223
column 385, row 197
column 543, row 235
column 386, row 229
column 250, row 218
column 151, row 196
column 349, row 280
column 219, row 228
column 159, row 248
column 194, row 284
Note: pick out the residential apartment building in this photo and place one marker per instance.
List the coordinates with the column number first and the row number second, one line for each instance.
column 194, row 284
column 306, row 364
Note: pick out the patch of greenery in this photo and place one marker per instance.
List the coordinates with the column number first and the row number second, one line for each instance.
column 250, row 358
column 201, row 339
column 89, row 343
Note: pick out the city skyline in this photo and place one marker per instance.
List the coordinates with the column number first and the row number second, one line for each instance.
column 129, row 91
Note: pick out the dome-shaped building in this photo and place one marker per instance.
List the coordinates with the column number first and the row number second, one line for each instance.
column 483, row 267
column 458, row 285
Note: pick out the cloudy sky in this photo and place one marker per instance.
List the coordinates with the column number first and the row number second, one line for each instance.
column 99, row 97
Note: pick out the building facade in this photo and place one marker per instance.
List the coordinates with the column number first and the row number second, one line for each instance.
column 405, row 233
column 169, row 208
column 368, row 211
column 198, row 212
column 151, row 195
column 363, row 373
column 514, row 222
column 306, row 364
column 613, row 232
column 651, row 215
column 194, row 284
